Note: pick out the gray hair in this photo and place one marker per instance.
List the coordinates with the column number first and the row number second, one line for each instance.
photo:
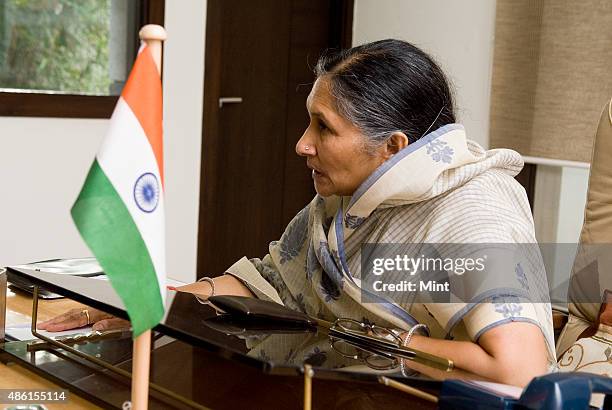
column 388, row 86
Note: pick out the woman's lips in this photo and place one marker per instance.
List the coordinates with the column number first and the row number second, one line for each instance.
column 315, row 172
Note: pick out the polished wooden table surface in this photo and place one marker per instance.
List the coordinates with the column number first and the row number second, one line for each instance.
column 208, row 361
column 13, row 376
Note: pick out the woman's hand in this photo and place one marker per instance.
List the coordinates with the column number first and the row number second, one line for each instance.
column 200, row 289
column 224, row 285
column 76, row 318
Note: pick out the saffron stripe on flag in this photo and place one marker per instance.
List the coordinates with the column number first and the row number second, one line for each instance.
column 98, row 211
column 143, row 93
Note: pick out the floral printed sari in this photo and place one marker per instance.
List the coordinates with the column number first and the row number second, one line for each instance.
column 442, row 188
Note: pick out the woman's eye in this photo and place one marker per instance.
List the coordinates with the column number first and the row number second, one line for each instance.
column 322, row 126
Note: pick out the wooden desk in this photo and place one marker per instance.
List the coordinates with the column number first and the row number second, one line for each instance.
column 13, row 376
column 210, row 363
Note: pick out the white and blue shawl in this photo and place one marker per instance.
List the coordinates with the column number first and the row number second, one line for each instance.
column 442, row 188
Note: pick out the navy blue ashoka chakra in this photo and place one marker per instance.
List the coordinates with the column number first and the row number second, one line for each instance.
column 146, row 192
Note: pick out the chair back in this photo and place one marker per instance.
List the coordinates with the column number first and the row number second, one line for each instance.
column 593, row 265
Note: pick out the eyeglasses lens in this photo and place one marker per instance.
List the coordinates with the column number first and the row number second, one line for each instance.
column 346, row 349
column 379, row 362
column 352, row 325
column 385, row 333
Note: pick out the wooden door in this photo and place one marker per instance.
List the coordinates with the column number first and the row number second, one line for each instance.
column 258, row 73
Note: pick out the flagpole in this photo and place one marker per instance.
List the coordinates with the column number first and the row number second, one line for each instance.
column 141, row 357
column 152, row 35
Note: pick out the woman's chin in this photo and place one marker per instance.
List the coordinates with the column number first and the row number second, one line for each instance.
column 323, row 189
column 322, row 193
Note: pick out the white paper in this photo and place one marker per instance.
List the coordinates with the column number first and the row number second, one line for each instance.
column 499, row 388
column 73, row 266
column 22, row 331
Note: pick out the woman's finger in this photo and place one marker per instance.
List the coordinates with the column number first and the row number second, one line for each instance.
column 57, row 319
column 111, row 324
column 72, row 319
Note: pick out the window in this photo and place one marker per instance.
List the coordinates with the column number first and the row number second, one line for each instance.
column 68, row 58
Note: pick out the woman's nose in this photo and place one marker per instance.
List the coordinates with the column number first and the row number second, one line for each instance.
column 304, row 146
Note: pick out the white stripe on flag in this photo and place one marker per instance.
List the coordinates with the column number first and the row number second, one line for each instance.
column 125, row 155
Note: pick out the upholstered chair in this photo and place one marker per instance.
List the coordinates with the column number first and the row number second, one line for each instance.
column 585, row 344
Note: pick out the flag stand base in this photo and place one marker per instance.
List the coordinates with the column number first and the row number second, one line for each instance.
column 59, row 344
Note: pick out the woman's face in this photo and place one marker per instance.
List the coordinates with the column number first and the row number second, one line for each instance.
column 334, row 147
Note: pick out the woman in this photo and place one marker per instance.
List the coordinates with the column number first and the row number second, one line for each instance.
column 390, row 165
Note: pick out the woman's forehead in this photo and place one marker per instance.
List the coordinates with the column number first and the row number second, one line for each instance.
column 320, row 99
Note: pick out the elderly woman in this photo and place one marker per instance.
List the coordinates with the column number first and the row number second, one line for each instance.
column 390, row 165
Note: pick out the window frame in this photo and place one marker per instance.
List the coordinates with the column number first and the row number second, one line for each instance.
column 34, row 104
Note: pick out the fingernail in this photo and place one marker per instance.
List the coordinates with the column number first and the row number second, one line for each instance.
column 171, row 288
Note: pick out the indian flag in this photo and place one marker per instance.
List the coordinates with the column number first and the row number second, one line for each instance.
column 120, row 210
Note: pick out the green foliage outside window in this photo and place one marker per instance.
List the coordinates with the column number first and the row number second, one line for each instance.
column 60, row 45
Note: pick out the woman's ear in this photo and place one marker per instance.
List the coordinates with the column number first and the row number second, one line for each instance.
column 396, row 142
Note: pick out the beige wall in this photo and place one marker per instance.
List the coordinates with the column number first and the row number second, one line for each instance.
column 183, row 95
column 459, row 34
column 558, row 212
column 43, row 163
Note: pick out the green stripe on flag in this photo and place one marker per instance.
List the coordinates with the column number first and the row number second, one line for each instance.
column 110, row 232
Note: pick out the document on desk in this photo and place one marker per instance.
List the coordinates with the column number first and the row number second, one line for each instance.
column 73, row 266
column 169, row 282
column 22, row 331
column 88, row 267
column 499, row 388
column 84, row 267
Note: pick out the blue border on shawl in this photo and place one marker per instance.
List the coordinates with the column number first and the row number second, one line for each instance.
column 387, row 165
column 479, row 299
column 391, row 307
column 506, row 321
column 367, row 184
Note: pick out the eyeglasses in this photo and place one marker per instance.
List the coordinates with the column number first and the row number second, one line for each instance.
column 374, row 359
column 365, row 329
column 365, row 342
